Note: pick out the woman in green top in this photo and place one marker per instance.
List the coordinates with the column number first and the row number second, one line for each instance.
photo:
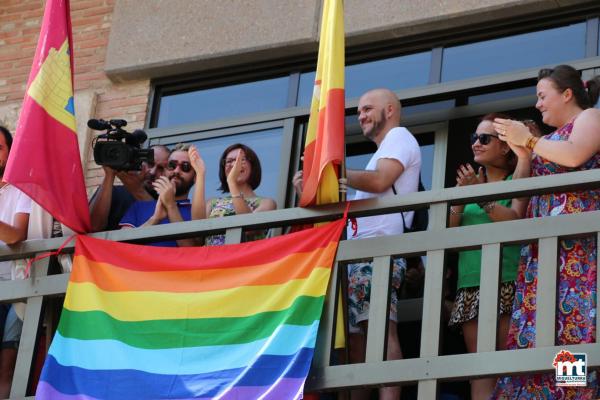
column 497, row 163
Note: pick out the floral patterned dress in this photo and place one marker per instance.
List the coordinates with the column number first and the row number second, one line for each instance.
column 223, row 207
column 576, row 295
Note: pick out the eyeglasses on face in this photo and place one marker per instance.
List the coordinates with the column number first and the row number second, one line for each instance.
column 184, row 166
column 484, row 138
column 231, row 161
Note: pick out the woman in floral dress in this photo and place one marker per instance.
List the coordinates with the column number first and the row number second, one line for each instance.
column 565, row 103
column 240, row 174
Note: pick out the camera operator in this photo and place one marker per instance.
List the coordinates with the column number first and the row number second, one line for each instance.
column 109, row 203
column 173, row 204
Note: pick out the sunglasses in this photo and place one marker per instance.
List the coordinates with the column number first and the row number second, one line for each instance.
column 184, row 166
column 484, row 138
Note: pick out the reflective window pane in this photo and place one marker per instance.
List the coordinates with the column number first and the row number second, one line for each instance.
column 551, row 46
column 223, row 102
column 502, row 95
column 426, row 107
column 393, row 73
column 266, row 144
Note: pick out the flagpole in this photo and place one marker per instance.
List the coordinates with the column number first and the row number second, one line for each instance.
column 343, row 188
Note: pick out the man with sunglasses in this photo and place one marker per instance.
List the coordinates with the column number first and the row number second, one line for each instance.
column 172, row 204
column 109, row 203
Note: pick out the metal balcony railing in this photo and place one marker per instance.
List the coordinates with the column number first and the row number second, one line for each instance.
column 430, row 367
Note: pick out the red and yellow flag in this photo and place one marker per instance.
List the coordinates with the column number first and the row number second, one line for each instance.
column 324, row 146
column 44, row 160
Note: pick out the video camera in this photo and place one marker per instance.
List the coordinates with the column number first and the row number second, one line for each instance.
column 118, row 148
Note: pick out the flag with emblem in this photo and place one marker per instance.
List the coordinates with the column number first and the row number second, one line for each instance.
column 44, row 161
column 324, row 144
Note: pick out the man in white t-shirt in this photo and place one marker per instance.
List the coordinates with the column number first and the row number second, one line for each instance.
column 15, row 208
column 393, row 169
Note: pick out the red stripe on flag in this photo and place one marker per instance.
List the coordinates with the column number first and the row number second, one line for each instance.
column 227, row 256
column 328, row 147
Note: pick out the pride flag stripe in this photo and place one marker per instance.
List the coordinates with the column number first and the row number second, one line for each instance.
column 286, row 388
column 92, row 354
column 207, row 338
column 237, row 302
column 114, row 278
column 145, row 385
column 256, row 253
column 155, row 334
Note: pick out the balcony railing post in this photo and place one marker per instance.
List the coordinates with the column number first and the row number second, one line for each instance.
column 233, row 235
column 379, row 309
column 545, row 323
column 488, row 300
column 432, row 319
column 27, row 343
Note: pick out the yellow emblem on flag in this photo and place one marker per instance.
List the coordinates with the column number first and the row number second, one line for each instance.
column 52, row 88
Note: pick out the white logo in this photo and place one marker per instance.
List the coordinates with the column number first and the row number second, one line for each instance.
column 571, row 368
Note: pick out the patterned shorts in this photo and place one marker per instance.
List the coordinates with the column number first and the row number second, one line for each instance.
column 359, row 291
column 466, row 305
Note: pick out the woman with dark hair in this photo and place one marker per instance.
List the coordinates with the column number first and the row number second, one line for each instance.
column 497, row 164
column 240, row 175
column 564, row 101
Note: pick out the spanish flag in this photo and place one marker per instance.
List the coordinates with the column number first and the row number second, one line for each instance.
column 44, row 160
column 230, row 322
column 324, row 146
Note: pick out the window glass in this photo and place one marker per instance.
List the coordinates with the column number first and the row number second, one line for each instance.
column 426, row 107
column 514, row 52
column 266, row 144
column 502, row 95
column 223, row 102
column 393, row 73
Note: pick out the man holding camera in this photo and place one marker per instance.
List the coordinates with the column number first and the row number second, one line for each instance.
column 173, row 204
column 109, row 203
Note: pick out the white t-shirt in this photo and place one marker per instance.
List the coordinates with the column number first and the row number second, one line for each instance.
column 399, row 144
column 12, row 202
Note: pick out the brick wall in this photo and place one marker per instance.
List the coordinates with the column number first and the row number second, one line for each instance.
column 95, row 95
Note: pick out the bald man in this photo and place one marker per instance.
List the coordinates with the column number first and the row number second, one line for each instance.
column 394, row 169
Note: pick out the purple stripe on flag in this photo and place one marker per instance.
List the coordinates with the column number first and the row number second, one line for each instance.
column 47, row 391
column 286, row 388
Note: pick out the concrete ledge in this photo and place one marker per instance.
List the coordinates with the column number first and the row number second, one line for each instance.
column 173, row 37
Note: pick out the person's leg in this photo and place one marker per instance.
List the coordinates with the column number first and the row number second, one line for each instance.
column 481, row 389
column 393, row 352
column 359, row 293
column 8, row 353
column 503, row 326
column 357, row 346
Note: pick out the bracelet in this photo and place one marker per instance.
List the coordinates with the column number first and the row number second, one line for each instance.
column 454, row 212
column 531, row 142
column 487, row 206
column 238, row 196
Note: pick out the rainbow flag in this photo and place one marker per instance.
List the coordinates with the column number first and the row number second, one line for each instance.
column 44, row 160
column 229, row 322
column 324, row 144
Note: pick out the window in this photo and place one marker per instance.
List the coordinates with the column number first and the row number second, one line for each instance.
column 223, row 102
column 266, row 144
column 394, row 73
column 514, row 52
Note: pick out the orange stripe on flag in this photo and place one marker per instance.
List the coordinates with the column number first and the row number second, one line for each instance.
column 111, row 278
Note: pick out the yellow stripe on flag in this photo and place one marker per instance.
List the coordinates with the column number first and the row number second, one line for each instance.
column 238, row 302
